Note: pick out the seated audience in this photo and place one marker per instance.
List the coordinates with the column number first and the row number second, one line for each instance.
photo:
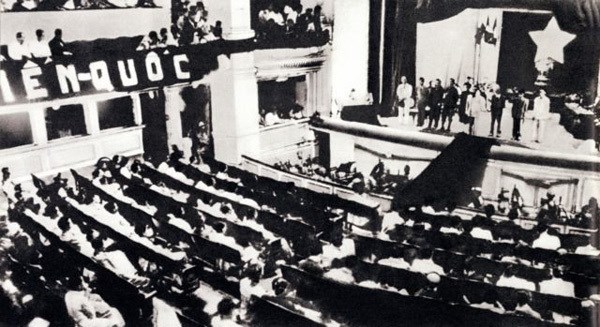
column 39, row 48
column 19, row 50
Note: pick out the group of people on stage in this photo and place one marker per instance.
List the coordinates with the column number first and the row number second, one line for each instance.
column 433, row 101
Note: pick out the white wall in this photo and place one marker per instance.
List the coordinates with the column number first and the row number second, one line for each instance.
column 85, row 24
column 446, row 49
column 350, row 56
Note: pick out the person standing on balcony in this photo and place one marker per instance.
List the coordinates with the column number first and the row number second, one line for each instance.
column 19, row 49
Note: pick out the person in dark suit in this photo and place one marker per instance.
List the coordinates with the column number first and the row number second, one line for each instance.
column 422, row 94
column 450, row 99
column 57, row 46
column 497, row 105
column 435, row 103
column 518, row 111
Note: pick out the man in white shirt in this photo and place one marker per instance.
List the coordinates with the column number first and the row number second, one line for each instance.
column 508, row 279
column 290, row 13
column 541, row 113
column 40, row 48
column 425, row 264
column 19, row 50
column 404, row 93
column 547, row 240
column 557, row 285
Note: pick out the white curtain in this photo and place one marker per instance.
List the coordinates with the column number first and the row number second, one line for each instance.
column 447, row 49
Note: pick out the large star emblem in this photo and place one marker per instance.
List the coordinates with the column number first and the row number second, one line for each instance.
column 551, row 42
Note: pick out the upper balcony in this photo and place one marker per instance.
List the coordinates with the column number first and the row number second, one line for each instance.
column 86, row 24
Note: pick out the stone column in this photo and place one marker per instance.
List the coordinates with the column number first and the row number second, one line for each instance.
column 37, row 120
column 350, row 55
column 174, row 104
column 234, row 91
column 234, row 102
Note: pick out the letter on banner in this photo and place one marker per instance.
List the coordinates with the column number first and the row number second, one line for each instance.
column 32, row 84
column 100, row 77
column 127, row 79
column 7, row 93
column 177, row 60
column 69, row 74
column 153, row 67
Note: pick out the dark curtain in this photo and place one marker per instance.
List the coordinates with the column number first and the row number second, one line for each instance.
column 516, row 66
column 375, row 36
column 400, row 47
column 448, row 180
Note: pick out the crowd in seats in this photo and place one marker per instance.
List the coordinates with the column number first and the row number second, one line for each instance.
column 280, row 113
column 217, row 245
column 51, row 5
column 176, row 227
column 288, row 21
column 380, row 180
column 190, row 24
column 190, row 28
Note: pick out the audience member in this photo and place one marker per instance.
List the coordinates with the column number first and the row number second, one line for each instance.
column 57, row 46
column 19, row 50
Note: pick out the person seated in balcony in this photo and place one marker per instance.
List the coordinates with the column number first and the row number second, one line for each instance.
column 587, row 217
column 289, row 29
column 187, row 26
column 19, row 50
column 275, row 15
column 151, row 41
column 57, row 46
column 19, row 6
column 217, row 30
column 165, row 39
column 503, row 201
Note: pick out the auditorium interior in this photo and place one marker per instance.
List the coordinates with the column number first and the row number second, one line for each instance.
column 313, row 162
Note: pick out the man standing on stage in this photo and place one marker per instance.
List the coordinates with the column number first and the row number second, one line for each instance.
column 422, row 98
column 436, row 98
column 541, row 113
column 518, row 111
column 450, row 99
column 405, row 101
column 462, row 106
column 497, row 104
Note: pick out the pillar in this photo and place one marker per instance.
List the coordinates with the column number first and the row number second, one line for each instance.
column 234, row 101
column 37, row 121
column 174, row 104
column 234, row 91
column 92, row 121
column 350, row 55
column 234, row 15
